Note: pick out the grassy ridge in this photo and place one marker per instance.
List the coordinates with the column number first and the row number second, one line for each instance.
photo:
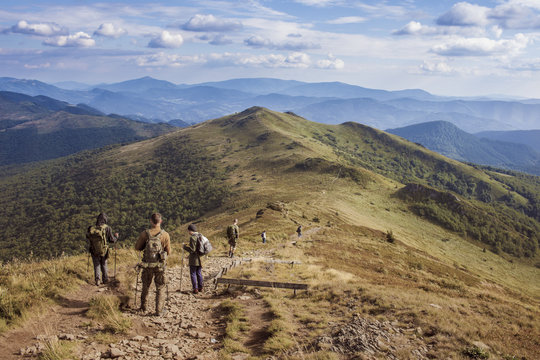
column 47, row 209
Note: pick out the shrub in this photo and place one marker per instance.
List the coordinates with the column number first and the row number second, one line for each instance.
column 390, row 236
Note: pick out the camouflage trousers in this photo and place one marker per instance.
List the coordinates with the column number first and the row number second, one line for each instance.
column 158, row 275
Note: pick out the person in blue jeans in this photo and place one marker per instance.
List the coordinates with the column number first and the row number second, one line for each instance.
column 195, row 263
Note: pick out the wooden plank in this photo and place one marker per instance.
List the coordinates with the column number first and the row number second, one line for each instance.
column 272, row 284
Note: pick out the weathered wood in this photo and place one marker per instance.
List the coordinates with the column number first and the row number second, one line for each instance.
column 272, row 284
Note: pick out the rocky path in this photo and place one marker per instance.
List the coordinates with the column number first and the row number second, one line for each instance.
column 191, row 328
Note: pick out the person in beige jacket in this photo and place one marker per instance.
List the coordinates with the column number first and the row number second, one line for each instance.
column 156, row 244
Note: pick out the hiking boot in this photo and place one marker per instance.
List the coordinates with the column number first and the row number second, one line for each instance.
column 200, row 289
column 98, row 282
column 195, row 291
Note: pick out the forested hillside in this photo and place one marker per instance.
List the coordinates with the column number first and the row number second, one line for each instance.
column 179, row 175
column 47, row 207
column 40, row 128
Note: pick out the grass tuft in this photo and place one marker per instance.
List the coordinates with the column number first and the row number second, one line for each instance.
column 57, row 350
column 106, row 310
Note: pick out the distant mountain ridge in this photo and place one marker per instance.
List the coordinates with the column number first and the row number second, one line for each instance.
column 447, row 139
column 327, row 102
column 527, row 137
column 39, row 128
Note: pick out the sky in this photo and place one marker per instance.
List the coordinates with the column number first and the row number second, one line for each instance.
column 445, row 47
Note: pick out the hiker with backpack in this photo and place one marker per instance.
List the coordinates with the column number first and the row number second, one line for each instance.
column 198, row 246
column 263, row 237
column 156, row 246
column 299, row 231
column 232, row 236
column 99, row 236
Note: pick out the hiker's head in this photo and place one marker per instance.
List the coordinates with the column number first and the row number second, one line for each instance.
column 101, row 219
column 155, row 219
column 235, row 221
column 192, row 228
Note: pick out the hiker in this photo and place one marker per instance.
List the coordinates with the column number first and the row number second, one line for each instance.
column 99, row 236
column 263, row 236
column 232, row 235
column 299, row 231
column 156, row 246
column 195, row 263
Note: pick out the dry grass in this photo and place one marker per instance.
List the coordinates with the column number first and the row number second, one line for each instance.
column 237, row 325
column 105, row 309
column 57, row 350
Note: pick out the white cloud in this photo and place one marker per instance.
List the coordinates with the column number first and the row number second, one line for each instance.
column 317, row 3
column 218, row 39
column 510, row 14
column 80, row 39
column 39, row 29
column 260, row 42
column 347, row 20
column 528, row 65
column 38, row 66
column 482, row 46
column 464, row 14
column 517, row 14
column 109, row 30
column 330, row 63
column 436, row 68
column 211, row 23
column 292, row 60
column 166, row 40
column 415, row 28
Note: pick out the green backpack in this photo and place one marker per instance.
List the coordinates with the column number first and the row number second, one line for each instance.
column 97, row 237
column 153, row 251
column 231, row 233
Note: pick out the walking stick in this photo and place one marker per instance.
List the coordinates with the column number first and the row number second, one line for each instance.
column 114, row 261
column 182, row 267
column 137, row 284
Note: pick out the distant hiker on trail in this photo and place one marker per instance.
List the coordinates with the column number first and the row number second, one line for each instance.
column 263, row 236
column 99, row 236
column 195, row 263
column 232, row 235
column 299, row 231
column 156, row 246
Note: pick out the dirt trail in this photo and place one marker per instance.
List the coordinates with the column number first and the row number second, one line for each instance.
column 192, row 326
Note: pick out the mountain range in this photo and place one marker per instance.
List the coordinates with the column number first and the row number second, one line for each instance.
column 328, row 102
column 400, row 244
column 448, row 140
column 39, row 128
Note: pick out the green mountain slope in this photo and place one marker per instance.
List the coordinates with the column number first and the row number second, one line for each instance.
column 180, row 175
column 40, row 128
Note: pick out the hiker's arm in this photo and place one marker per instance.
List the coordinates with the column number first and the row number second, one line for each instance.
column 167, row 245
column 110, row 237
column 141, row 242
column 191, row 246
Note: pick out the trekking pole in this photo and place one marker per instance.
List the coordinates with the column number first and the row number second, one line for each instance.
column 182, row 267
column 137, row 284
column 115, row 261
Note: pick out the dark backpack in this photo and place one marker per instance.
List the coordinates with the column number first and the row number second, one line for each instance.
column 153, row 248
column 203, row 246
column 231, row 233
column 97, row 237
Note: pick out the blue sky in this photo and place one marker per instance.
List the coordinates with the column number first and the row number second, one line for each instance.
column 445, row 47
